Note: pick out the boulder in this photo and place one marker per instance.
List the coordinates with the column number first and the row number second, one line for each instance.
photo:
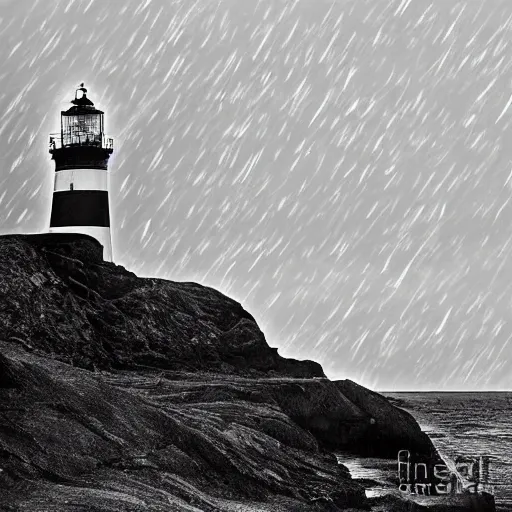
column 389, row 429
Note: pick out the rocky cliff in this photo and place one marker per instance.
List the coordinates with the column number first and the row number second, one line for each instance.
column 122, row 393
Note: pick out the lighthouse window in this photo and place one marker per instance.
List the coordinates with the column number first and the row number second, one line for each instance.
column 82, row 129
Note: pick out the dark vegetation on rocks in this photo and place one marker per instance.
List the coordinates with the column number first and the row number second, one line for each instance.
column 123, row 393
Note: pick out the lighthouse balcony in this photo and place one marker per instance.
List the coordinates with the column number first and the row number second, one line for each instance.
column 101, row 141
column 80, row 153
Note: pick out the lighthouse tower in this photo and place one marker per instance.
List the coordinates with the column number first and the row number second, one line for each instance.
column 80, row 193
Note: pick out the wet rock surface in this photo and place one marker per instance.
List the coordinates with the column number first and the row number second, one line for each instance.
column 391, row 428
column 122, row 393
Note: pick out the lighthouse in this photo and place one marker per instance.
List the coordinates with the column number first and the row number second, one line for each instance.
column 80, row 192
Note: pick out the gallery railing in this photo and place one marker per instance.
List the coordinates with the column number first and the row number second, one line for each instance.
column 101, row 141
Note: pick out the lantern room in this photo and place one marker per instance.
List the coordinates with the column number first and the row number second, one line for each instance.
column 82, row 139
column 82, row 124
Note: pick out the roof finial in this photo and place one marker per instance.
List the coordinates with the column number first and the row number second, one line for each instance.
column 81, row 88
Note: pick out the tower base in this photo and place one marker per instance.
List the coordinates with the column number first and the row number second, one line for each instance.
column 102, row 234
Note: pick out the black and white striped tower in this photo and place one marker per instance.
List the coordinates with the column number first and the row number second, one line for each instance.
column 80, row 193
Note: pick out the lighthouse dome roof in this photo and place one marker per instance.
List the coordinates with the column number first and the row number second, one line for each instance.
column 82, row 105
column 81, row 110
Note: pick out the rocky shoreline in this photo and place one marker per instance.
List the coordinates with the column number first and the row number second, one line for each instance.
column 122, row 393
column 379, row 478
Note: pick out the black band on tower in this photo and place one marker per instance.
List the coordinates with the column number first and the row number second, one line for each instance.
column 81, row 157
column 80, row 208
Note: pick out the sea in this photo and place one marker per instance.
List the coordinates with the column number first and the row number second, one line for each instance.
column 468, row 424
column 459, row 424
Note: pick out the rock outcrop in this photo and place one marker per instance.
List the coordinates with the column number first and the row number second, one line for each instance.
column 122, row 393
column 391, row 428
column 59, row 296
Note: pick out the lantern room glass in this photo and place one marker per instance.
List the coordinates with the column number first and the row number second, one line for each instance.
column 82, row 129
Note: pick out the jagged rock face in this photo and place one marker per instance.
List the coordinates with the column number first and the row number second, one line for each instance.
column 58, row 295
column 121, row 393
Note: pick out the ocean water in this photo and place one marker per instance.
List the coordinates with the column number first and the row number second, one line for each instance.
column 468, row 424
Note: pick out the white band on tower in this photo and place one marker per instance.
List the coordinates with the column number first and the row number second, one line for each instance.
column 80, row 179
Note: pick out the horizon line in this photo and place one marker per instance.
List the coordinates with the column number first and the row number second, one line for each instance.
column 447, row 391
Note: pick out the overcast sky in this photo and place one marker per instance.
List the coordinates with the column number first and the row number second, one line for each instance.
column 342, row 168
